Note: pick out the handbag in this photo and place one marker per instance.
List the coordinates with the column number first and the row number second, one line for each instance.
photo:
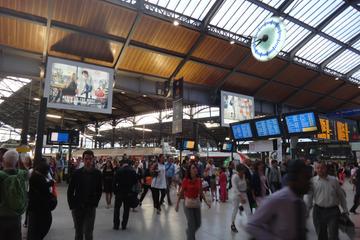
column 192, row 202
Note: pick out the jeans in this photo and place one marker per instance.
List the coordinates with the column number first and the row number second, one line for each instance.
column 10, row 227
column 193, row 217
column 356, row 202
column 326, row 222
column 84, row 219
column 156, row 197
column 39, row 225
column 119, row 200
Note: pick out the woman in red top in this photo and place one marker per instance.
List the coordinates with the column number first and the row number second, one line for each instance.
column 191, row 190
column 223, row 183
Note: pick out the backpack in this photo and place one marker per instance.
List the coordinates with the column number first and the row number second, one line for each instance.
column 12, row 192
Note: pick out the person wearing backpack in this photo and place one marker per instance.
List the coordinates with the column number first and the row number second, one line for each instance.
column 12, row 196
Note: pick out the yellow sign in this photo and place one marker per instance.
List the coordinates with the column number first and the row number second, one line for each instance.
column 342, row 131
column 325, row 129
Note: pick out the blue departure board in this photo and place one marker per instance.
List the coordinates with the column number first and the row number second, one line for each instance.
column 268, row 127
column 242, row 131
column 301, row 123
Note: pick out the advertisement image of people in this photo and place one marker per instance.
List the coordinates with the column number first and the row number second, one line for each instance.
column 77, row 87
column 236, row 107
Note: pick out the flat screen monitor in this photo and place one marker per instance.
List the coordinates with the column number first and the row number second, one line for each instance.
column 302, row 123
column 188, row 144
column 242, row 131
column 235, row 107
column 62, row 137
column 268, row 127
column 227, row 147
column 78, row 86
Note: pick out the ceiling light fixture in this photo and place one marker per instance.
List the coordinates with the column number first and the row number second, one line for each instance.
column 114, row 108
column 122, row 92
column 36, row 99
column 176, row 23
column 142, row 129
column 70, row 119
column 232, row 42
column 144, row 95
column 336, row 78
column 53, row 116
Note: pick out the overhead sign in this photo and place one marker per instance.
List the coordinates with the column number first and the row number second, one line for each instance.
column 261, row 146
column 345, row 113
column 342, row 131
column 325, row 129
column 177, row 116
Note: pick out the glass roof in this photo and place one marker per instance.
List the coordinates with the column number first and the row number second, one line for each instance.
column 295, row 33
column 356, row 45
column 317, row 49
column 356, row 75
column 345, row 26
column 345, row 62
column 9, row 85
column 240, row 17
column 192, row 8
column 312, row 12
column 273, row 3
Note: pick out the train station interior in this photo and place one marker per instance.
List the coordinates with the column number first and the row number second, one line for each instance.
column 225, row 80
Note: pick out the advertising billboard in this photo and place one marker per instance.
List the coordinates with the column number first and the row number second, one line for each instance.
column 78, row 86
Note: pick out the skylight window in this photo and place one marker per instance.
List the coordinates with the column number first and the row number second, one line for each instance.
column 317, row 49
column 356, row 45
column 345, row 62
column 273, row 3
column 295, row 34
column 356, row 75
column 345, row 25
column 192, row 8
column 9, row 85
column 312, row 12
column 240, row 17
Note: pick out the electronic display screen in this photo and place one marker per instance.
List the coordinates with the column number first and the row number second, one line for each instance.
column 306, row 122
column 188, row 144
column 236, row 107
column 78, row 86
column 62, row 137
column 227, row 147
column 242, row 131
column 268, row 127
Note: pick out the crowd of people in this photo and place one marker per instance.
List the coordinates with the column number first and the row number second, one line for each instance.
column 275, row 198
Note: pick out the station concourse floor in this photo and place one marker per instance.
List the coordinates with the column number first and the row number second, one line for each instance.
column 146, row 224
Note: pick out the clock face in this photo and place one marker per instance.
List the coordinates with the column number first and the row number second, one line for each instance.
column 265, row 49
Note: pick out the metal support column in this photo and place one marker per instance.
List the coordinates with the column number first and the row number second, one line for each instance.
column 40, row 130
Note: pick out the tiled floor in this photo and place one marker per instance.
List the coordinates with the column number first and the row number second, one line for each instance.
column 146, row 224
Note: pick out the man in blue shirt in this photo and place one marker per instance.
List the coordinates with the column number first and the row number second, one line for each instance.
column 170, row 173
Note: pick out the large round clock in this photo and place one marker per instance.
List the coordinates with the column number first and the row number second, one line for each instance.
column 269, row 39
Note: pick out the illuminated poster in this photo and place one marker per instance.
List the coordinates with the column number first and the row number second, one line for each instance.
column 77, row 86
column 236, row 107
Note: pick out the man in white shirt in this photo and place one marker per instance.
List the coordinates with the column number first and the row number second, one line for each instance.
column 282, row 216
column 158, row 184
column 326, row 194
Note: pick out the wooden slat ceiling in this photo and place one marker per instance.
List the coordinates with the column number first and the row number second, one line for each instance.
column 323, row 84
column 201, row 74
column 34, row 7
column 275, row 92
column 303, row 98
column 22, row 35
column 95, row 15
column 165, row 35
column 263, row 69
column 92, row 50
column 218, row 51
column 296, row 75
column 243, row 84
column 346, row 92
column 327, row 104
column 140, row 61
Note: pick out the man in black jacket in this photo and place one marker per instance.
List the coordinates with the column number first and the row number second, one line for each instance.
column 124, row 181
column 84, row 193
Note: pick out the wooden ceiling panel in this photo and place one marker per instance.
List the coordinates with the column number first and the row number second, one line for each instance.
column 327, row 104
column 33, row 7
column 221, row 52
column 22, row 34
column 263, row 69
column 80, row 47
column 165, row 35
column 346, row 92
column 201, row 74
column 357, row 100
column 151, row 63
column 296, row 75
column 95, row 15
column 303, row 98
column 323, row 84
column 242, row 84
column 275, row 92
